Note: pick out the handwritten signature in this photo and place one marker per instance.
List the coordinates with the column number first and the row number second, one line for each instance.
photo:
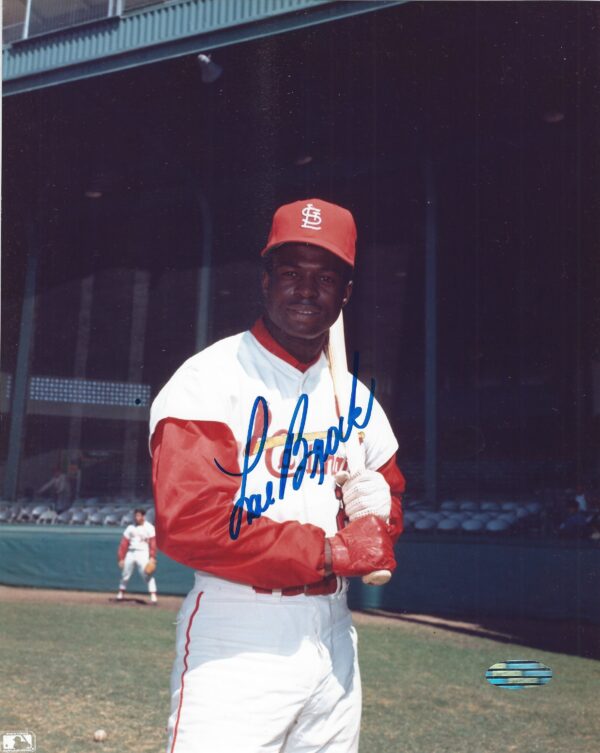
column 296, row 447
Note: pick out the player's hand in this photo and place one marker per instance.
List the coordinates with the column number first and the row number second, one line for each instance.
column 362, row 547
column 121, row 564
column 365, row 493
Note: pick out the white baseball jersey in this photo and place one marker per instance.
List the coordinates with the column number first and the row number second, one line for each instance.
column 139, row 537
column 201, row 425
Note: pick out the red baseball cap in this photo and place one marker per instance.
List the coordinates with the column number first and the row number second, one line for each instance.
column 316, row 222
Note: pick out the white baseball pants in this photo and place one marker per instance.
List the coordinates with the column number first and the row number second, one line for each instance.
column 139, row 559
column 263, row 673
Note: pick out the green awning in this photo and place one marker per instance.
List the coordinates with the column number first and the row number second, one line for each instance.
column 159, row 33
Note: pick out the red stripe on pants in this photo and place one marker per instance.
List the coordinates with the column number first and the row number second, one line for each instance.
column 185, row 667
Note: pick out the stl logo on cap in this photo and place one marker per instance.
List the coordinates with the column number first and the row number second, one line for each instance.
column 317, row 222
column 312, row 217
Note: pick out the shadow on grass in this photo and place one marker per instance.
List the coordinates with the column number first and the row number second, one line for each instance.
column 562, row 636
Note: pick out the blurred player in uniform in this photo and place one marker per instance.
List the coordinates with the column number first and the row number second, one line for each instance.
column 248, row 474
column 138, row 549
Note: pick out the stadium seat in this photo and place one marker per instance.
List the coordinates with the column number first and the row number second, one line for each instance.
column 38, row 510
column 150, row 515
column 78, row 518
column 490, row 506
column 64, row 518
column 48, row 516
column 425, row 524
column 112, row 519
column 473, row 525
column 25, row 510
column 449, row 524
column 533, row 507
column 510, row 505
column 5, row 516
column 509, row 517
column 460, row 515
column 421, row 513
column 468, row 505
column 498, row 526
column 449, row 504
column 127, row 519
column 14, row 510
column 95, row 519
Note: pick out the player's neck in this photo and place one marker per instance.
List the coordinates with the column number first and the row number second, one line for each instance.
column 303, row 350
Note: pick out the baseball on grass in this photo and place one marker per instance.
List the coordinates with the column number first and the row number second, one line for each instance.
column 100, row 735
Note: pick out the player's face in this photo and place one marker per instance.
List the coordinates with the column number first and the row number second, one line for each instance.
column 139, row 518
column 304, row 293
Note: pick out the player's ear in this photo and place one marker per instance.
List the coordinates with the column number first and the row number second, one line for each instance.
column 266, row 273
column 347, row 293
column 265, row 279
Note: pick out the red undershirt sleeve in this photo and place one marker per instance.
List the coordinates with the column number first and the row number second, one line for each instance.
column 152, row 547
column 194, row 500
column 123, row 547
column 393, row 475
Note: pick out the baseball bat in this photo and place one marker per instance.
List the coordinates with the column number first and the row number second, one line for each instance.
column 338, row 366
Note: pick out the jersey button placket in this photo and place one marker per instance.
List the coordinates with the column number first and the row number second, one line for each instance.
column 300, row 388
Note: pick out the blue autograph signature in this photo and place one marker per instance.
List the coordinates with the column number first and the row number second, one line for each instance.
column 296, row 446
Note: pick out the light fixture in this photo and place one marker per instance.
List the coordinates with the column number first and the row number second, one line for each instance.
column 553, row 116
column 101, row 182
column 210, row 70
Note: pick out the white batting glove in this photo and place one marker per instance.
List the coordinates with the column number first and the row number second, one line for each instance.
column 365, row 493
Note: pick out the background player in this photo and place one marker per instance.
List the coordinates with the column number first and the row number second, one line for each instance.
column 266, row 651
column 138, row 548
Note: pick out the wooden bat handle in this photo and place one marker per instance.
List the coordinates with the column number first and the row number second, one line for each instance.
column 377, row 578
column 338, row 366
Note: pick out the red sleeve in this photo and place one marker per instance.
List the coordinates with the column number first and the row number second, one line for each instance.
column 152, row 545
column 194, row 500
column 123, row 547
column 393, row 475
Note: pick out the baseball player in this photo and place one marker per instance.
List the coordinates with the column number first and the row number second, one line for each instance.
column 138, row 548
column 249, row 475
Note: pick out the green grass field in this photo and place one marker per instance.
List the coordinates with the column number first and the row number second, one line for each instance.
column 71, row 668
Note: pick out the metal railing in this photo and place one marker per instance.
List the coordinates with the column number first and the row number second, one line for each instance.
column 24, row 19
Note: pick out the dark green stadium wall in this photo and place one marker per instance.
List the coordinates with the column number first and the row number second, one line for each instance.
column 477, row 578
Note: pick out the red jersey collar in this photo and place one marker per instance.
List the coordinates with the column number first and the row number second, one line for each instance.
column 266, row 339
